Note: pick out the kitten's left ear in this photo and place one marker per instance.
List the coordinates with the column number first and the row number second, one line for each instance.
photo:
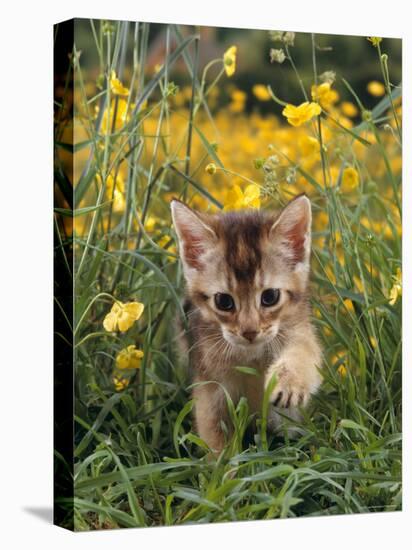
column 292, row 230
column 195, row 235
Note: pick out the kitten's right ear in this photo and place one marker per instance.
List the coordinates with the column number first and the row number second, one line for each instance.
column 194, row 235
column 291, row 230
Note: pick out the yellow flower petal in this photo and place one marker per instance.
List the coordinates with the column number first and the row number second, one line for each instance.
column 122, row 316
column 134, row 309
column 110, row 322
column 309, row 145
column 349, row 109
column 350, row 179
column 396, row 290
column 298, row 115
column 252, row 196
column 261, row 92
column 129, row 358
column 376, row 88
column 120, row 383
column 234, row 198
column 229, row 60
column 125, row 321
column 342, row 370
column 324, row 94
column 116, row 86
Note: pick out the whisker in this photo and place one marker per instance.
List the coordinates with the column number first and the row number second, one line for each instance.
column 204, row 340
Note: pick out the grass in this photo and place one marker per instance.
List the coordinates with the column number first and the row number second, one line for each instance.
column 137, row 460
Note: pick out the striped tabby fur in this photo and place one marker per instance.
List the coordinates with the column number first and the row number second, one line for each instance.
column 242, row 254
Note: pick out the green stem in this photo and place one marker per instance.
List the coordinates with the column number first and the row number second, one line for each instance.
column 302, row 87
column 385, row 72
column 319, row 125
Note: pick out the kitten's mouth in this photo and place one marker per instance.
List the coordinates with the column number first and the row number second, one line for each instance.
column 239, row 341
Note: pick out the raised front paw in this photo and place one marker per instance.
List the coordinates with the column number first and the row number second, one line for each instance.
column 290, row 392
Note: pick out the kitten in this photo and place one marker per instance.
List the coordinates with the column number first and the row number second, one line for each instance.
column 247, row 275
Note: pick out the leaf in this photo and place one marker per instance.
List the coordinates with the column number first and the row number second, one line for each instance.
column 180, row 417
column 194, row 496
column 137, row 511
column 64, row 184
column 208, row 147
column 351, row 425
column 80, row 211
column 161, row 276
column 199, row 187
column 83, row 183
column 74, row 147
column 110, row 403
column 122, row 518
column 133, row 473
column 276, row 471
column 248, row 370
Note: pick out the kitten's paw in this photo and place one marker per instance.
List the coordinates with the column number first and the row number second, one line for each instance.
column 290, row 392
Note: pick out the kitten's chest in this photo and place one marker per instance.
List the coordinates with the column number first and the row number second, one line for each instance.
column 259, row 359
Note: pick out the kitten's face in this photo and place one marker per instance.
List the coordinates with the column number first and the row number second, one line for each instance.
column 246, row 271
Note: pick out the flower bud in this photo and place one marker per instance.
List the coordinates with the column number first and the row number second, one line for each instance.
column 289, row 38
column 211, row 168
column 171, row 89
column 258, row 163
column 276, row 36
column 277, row 56
column 367, row 116
column 328, row 76
column 376, row 40
column 108, row 28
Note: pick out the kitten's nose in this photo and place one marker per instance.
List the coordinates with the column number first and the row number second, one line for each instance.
column 250, row 335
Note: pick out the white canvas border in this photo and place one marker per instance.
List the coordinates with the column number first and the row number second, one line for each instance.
column 26, row 277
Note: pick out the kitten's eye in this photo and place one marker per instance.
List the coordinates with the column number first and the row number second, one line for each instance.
column 224, row 302
column 270, row 297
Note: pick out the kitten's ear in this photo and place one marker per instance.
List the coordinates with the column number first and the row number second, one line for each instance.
column 195, row 236
column 292, row 230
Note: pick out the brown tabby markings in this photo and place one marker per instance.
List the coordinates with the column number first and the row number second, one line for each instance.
column 242, row 254
column 242, row 235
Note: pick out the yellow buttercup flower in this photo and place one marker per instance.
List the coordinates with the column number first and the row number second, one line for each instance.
column 229, row 60
column 122, row 316
column 116, row 86
column 121, row 111
column 165, row 240
column 309, row 145
column 375, row 88
column 349, row 305
column 150, row 223
column 261, row 92
column 116, row 191
column 375, row 40
column 349, row 109
column 350, row 179
column 120, row 382
column 324, row 95
column 129, row 358
column 298, row 115
column 396, row 290
column 237, row 199
column 238, row 101
column 342, row 371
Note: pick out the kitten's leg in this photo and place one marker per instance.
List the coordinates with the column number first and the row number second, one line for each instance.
column 210, row 409
column 297, row 376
